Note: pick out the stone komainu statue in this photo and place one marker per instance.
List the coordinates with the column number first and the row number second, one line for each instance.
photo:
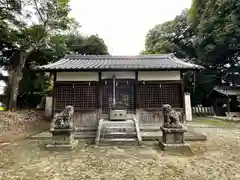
column 64, row 120
column 172, row 118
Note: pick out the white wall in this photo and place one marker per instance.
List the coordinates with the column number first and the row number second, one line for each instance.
column 158, row 75
column 142, row 75
column 77, row 76
column 119, row 75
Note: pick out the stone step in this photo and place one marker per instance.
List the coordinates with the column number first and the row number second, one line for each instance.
column 86, row 129
column 150, row 128
column 118, row 133
column 118, row 124
column 94, row 133
column 118, row 136
column 118, row 127
column 85, row 135
column 144, row 128
column 89, row 135
column 118, row 140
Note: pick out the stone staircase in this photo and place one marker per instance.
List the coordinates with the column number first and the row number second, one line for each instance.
column 118, row 132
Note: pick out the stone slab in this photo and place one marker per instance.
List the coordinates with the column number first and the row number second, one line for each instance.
column 171, row 147
column 62, row 147
column 192, row 136
column 225, row 118
column 41, row 136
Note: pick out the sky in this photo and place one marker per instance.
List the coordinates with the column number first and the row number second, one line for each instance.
column 123, row 24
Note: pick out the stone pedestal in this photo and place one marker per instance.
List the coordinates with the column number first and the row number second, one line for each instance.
column 173, row 138
column 62, row 139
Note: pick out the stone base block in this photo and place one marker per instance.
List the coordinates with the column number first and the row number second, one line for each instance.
column 173, row 135
column 59, row 147
column 62, row 139
column 171, row 147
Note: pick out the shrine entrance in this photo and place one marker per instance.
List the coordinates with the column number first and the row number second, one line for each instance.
column 124, row 92
column 118, row 101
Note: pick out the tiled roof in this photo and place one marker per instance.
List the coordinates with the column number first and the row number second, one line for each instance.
column 94, row 62
column 228, row 91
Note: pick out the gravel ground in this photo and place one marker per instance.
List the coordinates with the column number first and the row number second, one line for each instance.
column 217, row 158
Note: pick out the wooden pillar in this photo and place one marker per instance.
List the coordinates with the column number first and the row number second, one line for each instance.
column 136, row 89
column 54, row 93
column 182, row 92
column 100, row 91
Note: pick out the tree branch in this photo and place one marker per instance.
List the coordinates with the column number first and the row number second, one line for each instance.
column 38, row 11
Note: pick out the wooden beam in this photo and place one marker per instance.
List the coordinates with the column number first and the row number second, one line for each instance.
column 162, row 82
column 54, row 93
column 76, row 82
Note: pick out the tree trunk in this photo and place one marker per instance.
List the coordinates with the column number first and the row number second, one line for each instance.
column 15, row 79
column 17, row 65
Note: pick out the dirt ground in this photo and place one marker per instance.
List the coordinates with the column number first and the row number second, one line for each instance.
column 217, row 158
column 18, row 125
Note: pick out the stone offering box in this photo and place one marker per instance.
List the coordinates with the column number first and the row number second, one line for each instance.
column 173, row 138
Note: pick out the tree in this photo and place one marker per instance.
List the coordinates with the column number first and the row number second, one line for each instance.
column 86, row 45
column 177, row 37
column 49, row 37
column 52, row 17
column 174, row 36
column 208, row 34
column 217, row 29
column 34, row 86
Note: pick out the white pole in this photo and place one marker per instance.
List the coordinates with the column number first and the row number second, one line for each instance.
column 114, row 90
column 188, row 108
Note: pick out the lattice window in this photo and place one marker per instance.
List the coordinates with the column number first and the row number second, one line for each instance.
column 63, row 96
column 81, row 95
column 86, row 96
column 155, row 94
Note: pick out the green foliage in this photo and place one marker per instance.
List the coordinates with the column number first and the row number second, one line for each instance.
column 46, row 37
column 177, row 37
column 86, row 45
column 35, row 84
column 207, row 34
column 9, row 9
column 172, row 37
column 93, row 45
column 196, row 10
column 217, row 28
